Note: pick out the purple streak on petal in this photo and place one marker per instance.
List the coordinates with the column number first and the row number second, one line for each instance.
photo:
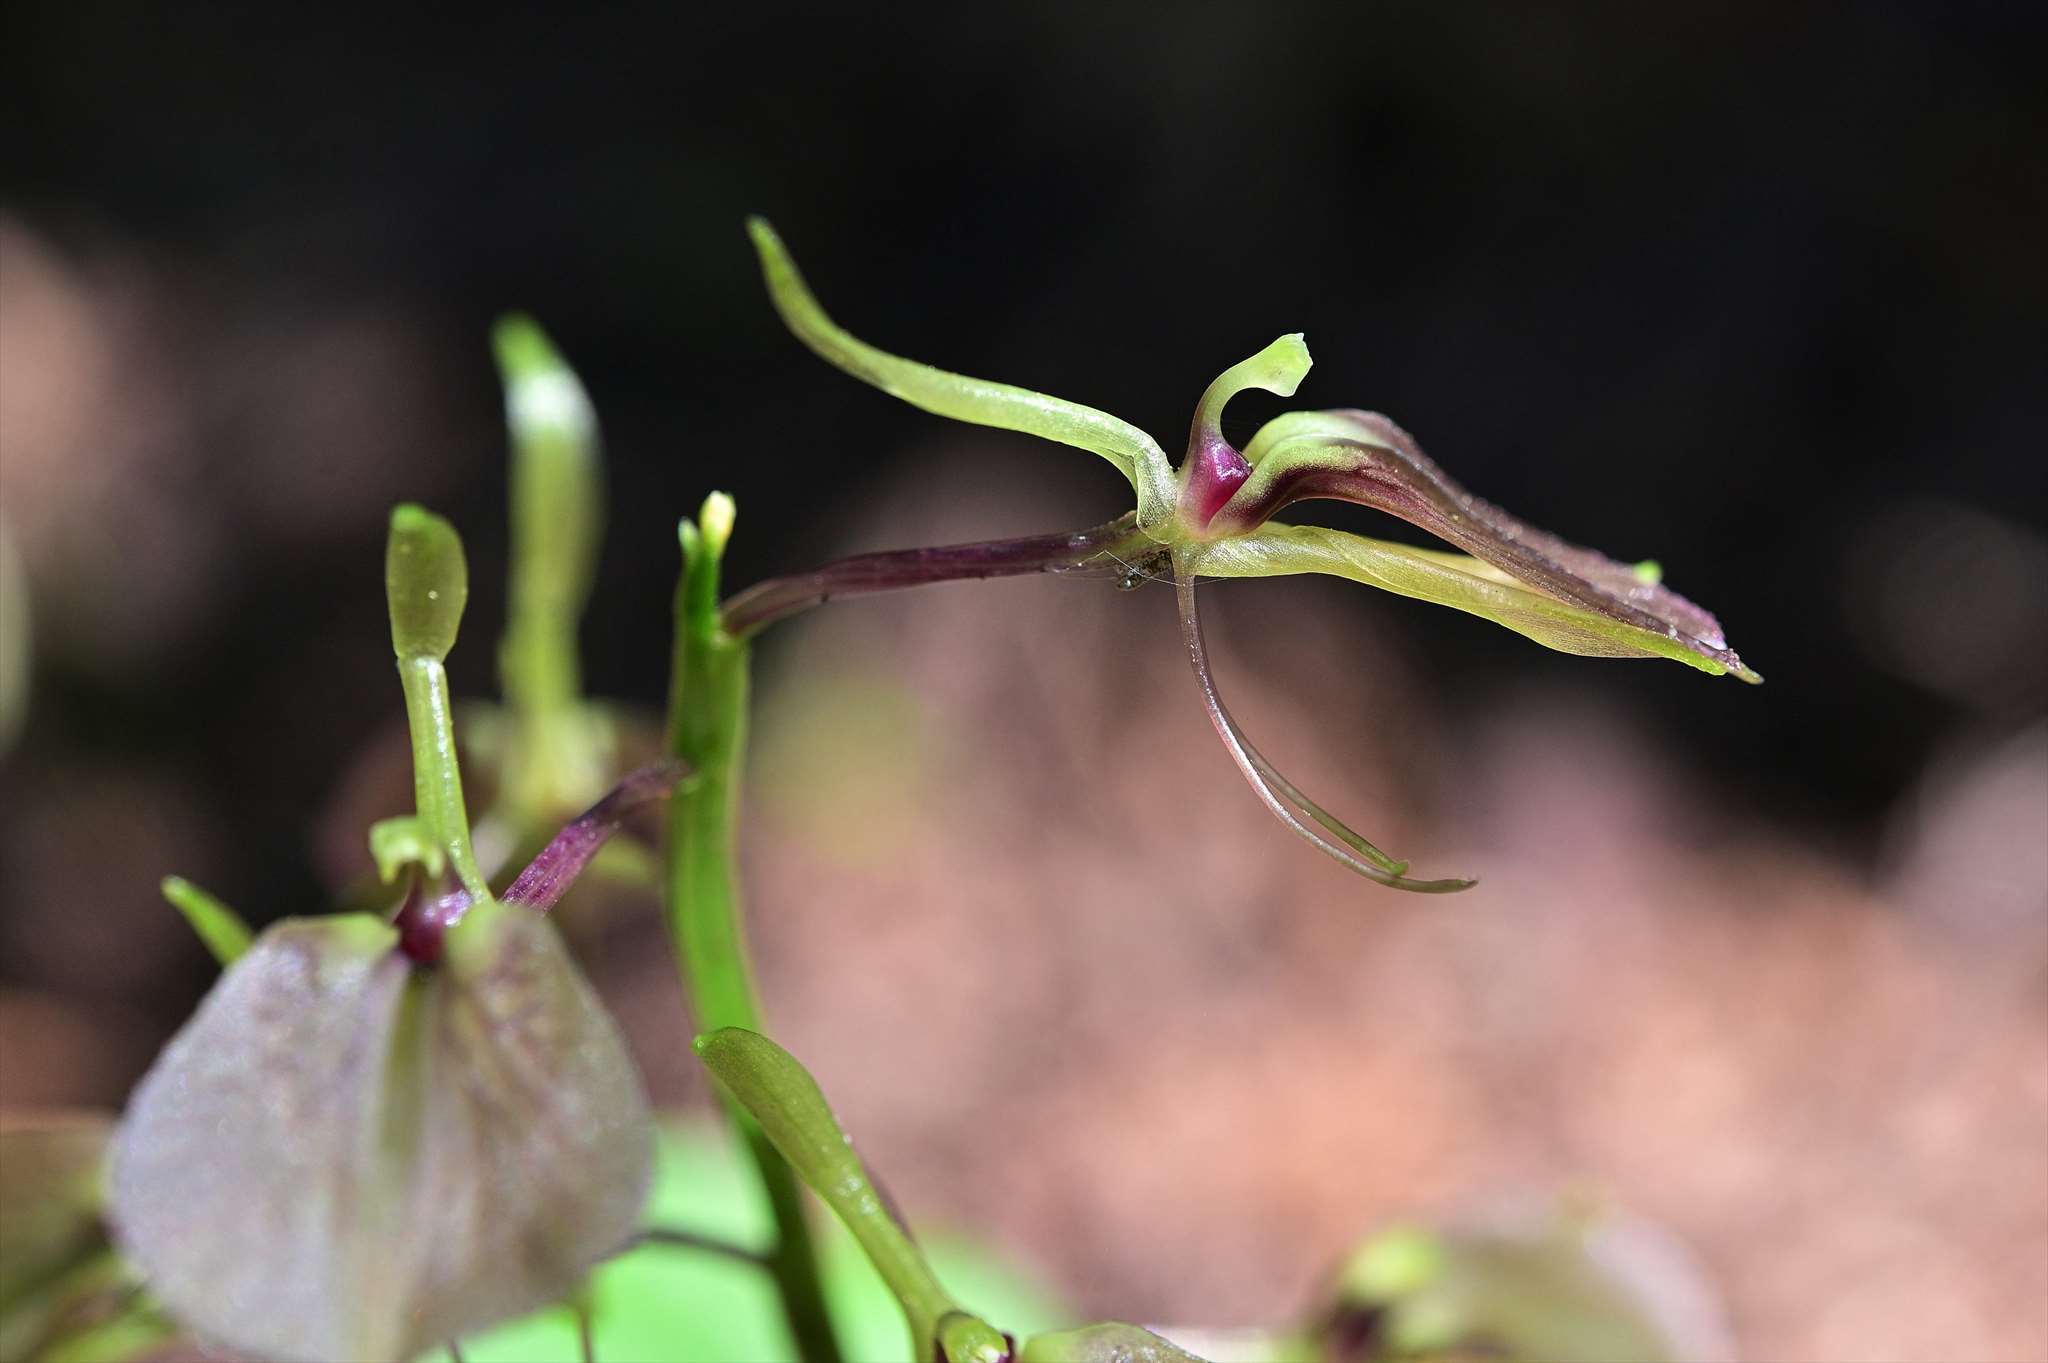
column 1107, row 548
column 1213, row 473
column 1385, row 469
column 1278, row 794
column 550, row 874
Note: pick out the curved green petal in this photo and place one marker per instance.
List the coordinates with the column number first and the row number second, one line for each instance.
column 980, row 401
column 1446, row 579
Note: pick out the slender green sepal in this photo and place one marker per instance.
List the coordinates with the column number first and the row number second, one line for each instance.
column 427, row 582
column 219, row 927
column 780, row 1094
column 1136, row 455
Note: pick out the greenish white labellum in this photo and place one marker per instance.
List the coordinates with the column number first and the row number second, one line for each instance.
column 426, row 581
column 343, row 1156
column 980, row 401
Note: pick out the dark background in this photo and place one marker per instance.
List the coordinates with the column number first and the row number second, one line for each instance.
column 1728, row 286
column 1758, row 291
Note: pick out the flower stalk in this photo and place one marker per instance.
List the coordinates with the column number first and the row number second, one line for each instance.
column 707, row 728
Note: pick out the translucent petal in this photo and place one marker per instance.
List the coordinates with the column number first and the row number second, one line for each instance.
column 343, row 1156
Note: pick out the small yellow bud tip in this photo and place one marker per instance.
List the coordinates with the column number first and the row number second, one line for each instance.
column 410, row 518
column 716, row 520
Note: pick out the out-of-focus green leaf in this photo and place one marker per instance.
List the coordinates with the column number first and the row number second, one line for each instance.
column 344, row 1156
column 1595, row 1288
column 65, row 1296
column 780, row 1094
column 50, row 1166
column 681, row 1306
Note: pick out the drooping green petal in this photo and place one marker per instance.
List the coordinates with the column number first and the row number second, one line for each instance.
column 979, row 401
column 344, row 1156
column 1454, row 580
column 1364, row 458
column 1307, row 819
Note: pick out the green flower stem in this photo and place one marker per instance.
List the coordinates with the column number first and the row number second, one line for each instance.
column 707, row 730
column 426, row 581
column 436, row 779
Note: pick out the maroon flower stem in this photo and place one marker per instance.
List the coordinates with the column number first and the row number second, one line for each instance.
column 1118, row 548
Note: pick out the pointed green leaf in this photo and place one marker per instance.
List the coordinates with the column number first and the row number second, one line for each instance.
column 781, row 1095
column 219, row 927
column 344, row 1156
column 1452, row 580
column 979, row 401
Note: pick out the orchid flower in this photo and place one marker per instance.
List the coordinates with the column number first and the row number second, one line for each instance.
column 381, row 1133
column 1213, row 517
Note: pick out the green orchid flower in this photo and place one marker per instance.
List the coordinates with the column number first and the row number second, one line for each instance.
column 380, row 1133
column 1213, row 517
